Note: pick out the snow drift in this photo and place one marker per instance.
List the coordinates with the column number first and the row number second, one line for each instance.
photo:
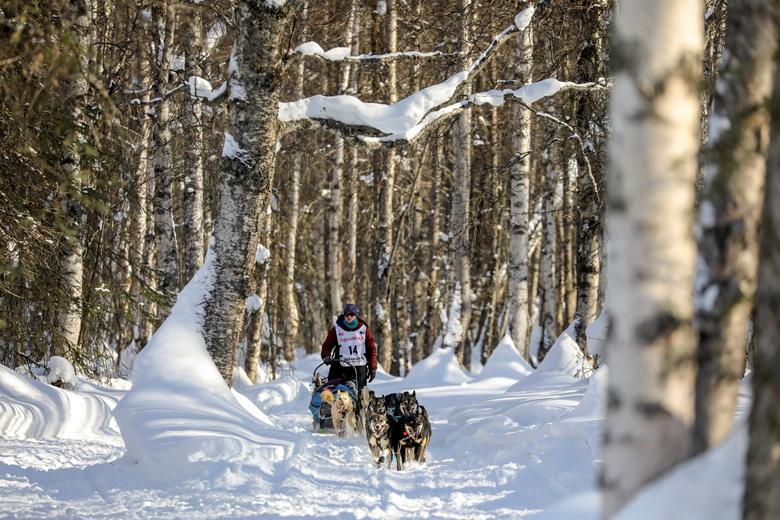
column 505, row 361
column 31, row 409
column 180, row 412
column 440, row 368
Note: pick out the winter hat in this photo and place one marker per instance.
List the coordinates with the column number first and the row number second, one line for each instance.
column 351, row 308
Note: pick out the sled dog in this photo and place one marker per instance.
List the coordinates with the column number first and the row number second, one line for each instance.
column 378, row 430
column 409, row 438
column 343, row 411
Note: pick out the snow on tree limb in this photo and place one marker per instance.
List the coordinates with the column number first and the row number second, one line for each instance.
column 336, row 54
column 375, row 125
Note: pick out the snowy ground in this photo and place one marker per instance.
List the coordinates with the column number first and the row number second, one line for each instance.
column 510, row 442
column 502, row 447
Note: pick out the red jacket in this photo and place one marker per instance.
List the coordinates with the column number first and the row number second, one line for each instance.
column 331, row 343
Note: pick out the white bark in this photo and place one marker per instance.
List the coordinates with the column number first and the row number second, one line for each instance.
column 388, row 352
column 461, row 203
column 518, row 313
column 653, row 152
column 72, row 253
column 167, row 264
column 289, row 302
column 192, row 226
column 247, row 170
column 547, row 282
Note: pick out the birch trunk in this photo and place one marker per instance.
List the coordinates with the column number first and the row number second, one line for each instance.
column 547, row 282
column 590, row 197
column 192, row 226
column 730, row 213
column 247, row 168
column 461, row 203
column 352, row 182
column 72, row 248
column 762, row 474
column 167, row 264
column 518, row 312
column 291, row 320
column 432, row 325
column 388, row 352
column 137, row 241
column 653, row 149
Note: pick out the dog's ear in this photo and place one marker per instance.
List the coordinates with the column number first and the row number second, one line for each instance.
column 414, row 394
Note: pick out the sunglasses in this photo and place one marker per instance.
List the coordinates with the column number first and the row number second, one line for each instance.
column 349, row 314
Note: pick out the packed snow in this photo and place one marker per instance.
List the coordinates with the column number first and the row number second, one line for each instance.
column 511, row 442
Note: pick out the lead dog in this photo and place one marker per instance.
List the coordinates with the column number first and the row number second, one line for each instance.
column 410, row 436
column 377, row 428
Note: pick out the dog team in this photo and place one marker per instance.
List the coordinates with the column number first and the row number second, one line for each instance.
column 394, row 424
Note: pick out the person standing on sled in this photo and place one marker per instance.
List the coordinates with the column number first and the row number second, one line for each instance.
column 350, row 344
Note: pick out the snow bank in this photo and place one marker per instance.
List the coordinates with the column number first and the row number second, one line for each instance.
column 565, row 357
column 31, row 409
column 274, row 393
column 439, row 369
column 718, row 475
column 505, row 361
column 180, row 412
column 597, row 335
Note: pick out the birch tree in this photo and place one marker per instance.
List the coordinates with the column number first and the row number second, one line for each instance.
column 167, row 264
column 192, row 225
column 653, row 165
column 72, row 254
column 384, row 184
column 247, row 167
column 762, row 474
column 518, row 238
column 461, row 202
column 730, row 213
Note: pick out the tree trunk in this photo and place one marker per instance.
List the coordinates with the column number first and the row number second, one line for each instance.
column 291, row 320
column 167, row 264
column 192, row 226
column 352, row 181
column 72, row 247
column 762, row 474
column 383, row 328
column 518, row 313
column 653, row 149
column 432, row 325
column 591, row 123
column 461, row 203
column 247, row 168
column 729, row 215
column 549, row 294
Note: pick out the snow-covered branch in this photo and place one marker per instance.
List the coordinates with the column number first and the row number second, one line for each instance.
column 336, row 54
column 375, row 125
column 379, row 123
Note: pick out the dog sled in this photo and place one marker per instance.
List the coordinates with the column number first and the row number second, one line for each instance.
column 325, row 394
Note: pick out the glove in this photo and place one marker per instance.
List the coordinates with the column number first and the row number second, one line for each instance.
column 328, row 360
column 371, row 376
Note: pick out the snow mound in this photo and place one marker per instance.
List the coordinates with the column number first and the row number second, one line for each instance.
column 180, row 413
column 265, row 396
column 439, row 369
column 506, row 361
column 565, row 357
column 719, row 477
column 597, row 334
column 61, row 373
column 594, row 402
column 31, row 409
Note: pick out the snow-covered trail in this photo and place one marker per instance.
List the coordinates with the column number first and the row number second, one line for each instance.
column 496, row 452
